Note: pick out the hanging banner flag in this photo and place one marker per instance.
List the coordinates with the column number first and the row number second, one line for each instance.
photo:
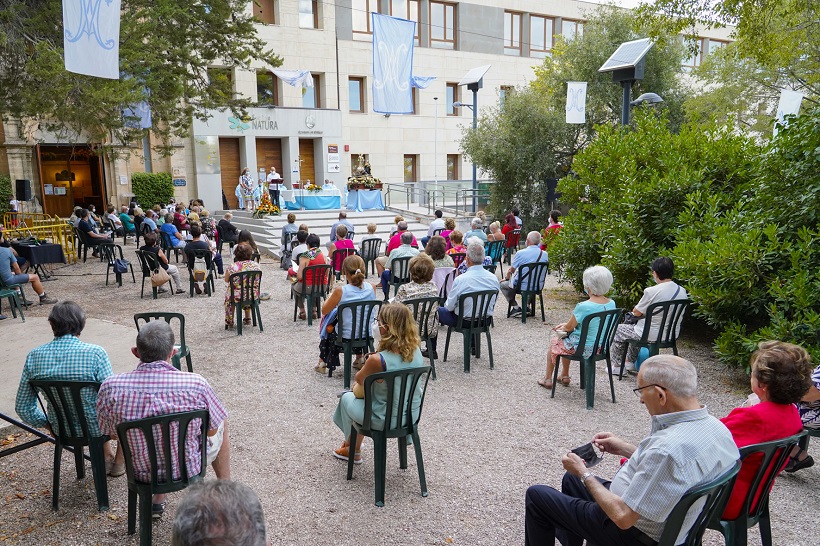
column 392, row 64
column 294, row 77
column 421, row 82
column 576, row 102
column 91, row 37
column 138, row 115
column 789, row 105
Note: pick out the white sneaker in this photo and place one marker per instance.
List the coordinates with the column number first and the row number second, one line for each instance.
column 629, row 367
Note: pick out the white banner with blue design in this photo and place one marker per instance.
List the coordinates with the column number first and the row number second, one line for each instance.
column 91, row 37
column 392, row 64
column 576, row 102
column 294, row 78
column 138, row 115
column 789, row 105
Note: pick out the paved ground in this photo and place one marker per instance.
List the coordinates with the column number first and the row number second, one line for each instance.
column 486, row 436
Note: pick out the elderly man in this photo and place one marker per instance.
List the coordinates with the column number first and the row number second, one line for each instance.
column 511, row 285
column 66, row 358
column 219, row 512
column 342, row 221
column 274, row 180
column 686, row 447
column 406, row 249
column 157, row 388
column 476, row 279
column 127, row 222
column 149, row 221
column 438, row 223
column 665, row 290
column 476, row 230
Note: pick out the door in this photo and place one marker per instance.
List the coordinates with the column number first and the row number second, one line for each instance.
column 229, row 160
column 307, row 169
column 269, row 154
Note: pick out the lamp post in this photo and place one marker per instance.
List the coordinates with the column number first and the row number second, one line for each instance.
column 474, row 80
column 474, row 108
column 435, row 143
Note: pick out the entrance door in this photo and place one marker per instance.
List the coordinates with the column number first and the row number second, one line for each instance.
column 70, row 176
column 229, row 160
column 269, row 154
column 307, row 169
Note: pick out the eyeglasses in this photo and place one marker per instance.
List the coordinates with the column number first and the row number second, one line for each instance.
column 639, row 389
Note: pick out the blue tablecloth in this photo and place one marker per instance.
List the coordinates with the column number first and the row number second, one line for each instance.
column 315, row 200
column 360, row 200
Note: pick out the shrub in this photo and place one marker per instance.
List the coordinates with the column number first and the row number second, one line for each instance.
column 152, row 188
column 5, row 193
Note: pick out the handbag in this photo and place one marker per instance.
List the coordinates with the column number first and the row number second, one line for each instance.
column 159, row 277
column 358, row 390
column 120, row 266
column 630, row 318
column 200, row 271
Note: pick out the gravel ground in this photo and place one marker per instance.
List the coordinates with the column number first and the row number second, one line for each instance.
column 486, row 435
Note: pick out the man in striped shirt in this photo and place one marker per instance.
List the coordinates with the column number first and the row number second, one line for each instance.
column 686, row 447
column 155, row 388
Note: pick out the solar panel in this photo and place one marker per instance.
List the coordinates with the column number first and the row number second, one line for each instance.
column 474, row 75
column 627, row 55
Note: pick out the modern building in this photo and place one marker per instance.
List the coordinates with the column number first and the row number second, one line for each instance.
column 318, row 132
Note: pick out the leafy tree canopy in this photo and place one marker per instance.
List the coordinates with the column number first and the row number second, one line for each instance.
column 165, row 48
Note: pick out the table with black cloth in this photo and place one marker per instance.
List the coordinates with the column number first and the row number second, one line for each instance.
column 38, row 255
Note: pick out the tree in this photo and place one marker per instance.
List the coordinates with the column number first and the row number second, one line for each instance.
column 165, row 48
column 527, row 140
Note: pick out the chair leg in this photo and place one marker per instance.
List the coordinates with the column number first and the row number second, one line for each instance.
column 353, row 439
column 403, row 452
column 765, row 526
column 541, row 300
column 258, row 315
column 55, row 479
column 589, row 372
column 348, row 365
column 420, row 463
column 309, row 309
column 468, row 341
column 146, row 518
column 555, row 375
column 98, row 472
column 142, row 289
column 524, row 307
column 237, row 318
column 79, row 463
column 611, row 382
column 188, row 361
column 430, row 356
column 380, row 466
column 623, row 361
column 132, row 511
column 446, row 345
column 490, row 347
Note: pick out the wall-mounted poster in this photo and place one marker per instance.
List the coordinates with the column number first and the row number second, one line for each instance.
column 206, row 153
column 48, row 189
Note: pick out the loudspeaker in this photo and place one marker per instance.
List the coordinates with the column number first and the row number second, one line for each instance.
column 23, row 190
column 552, row 193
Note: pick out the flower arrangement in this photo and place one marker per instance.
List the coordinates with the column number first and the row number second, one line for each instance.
column 311, row 187
column 266, row 207
column 362, row 178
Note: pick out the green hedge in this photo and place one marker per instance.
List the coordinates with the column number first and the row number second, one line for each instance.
column 152, row 188
column 6, row 193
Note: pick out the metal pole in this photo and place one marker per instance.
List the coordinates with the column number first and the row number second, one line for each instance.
column 475, row 173
column 627, row 85
column 435, row 143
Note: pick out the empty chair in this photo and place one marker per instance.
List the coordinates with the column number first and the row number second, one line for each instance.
column 113, row 255
column 370, row 250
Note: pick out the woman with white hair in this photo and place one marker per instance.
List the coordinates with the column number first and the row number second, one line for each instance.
column 597, row 283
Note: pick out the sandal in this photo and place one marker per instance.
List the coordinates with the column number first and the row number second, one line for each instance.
column 564, row 380
column 343, row 453
column 228, row 325
column 546, row 383
column 246, row 321
column 320, row 368
column 302, row 315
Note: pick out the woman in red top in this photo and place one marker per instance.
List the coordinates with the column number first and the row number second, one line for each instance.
column 313, row 256
column 781, row 375
column 341, row 243
column 510, row 224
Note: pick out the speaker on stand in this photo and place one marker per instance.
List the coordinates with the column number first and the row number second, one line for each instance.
column 23, row 188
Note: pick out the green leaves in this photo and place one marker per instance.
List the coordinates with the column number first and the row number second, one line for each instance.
column 152, row 188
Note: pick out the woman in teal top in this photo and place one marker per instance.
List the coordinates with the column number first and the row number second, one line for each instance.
column 398, row 349
column 597, row 283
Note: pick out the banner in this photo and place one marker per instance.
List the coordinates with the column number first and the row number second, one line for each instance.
column 421, row 82
column 294, row 77
column 576, row 102
column 91, row 37
column 142, row 113
column 392, row 64
column 789, row 105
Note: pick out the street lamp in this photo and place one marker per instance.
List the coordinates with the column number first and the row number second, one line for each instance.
column 648, row 98
column 435, row 144
column 627, row 66
column 474, row 80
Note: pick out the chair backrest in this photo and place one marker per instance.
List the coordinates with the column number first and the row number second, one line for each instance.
column 195, row 254
column 443, row 278
column 667, row 316
column 475, row 307
column 424, row 311
column 359, row 315
column 316, row 280
column 437, row 231
column 148, row 262
column 246, row 284
column 339, row 256
column 398, row 419
column 597, row 333
column 513, row 237
column 400, row 270
column 144, row 228
column 140, row 318
column 65, row 400
column 495, row 250
column 111, row 253
column 531, row 277
column 458, row 257
column 371, row 248
column 165, row 240
column 714, row 495
column 164, row 440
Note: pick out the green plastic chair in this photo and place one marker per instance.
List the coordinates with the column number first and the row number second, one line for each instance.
column 168, row 246
column 247, row 284
column 183, row 351
column 607, row 323
column 473, row 326
column 399, row 273
column 425, row 310
column 399, row 420
column 150, row 262
column 771, row 459
column 534, row 275
column 210, row 270
column 14, row 301
column 810, row 432
column 495, row 250
column 65, row 400
column 370, row 250
column 159, row 434
column 111, row 253
column 221, row 240
column 92, row 243
column 715, row 493
column 458, row 257
column 360, row 314
column 314, row 293
column 669, row 316
column 339, row 257
column 512, row 243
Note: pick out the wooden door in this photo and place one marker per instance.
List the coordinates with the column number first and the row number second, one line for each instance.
column 269, row 154
column 307, row 170
column 229, row 163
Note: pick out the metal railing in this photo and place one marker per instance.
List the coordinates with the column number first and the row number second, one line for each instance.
column 453, row 196
column 43, row 227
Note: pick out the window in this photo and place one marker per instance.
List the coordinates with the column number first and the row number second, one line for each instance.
column 312, row 96
column 415, row 100
column 452, row 98
column 407, row 9
column 220, row 83
column 308, row 14
column 356, row 94
column 714, row 45
column 452, row 167
column 694, row 58
column 541, row 30
column 267, row 88
column 512, row 33
column 265, row 11
column 361, row 14
column 571, row 29
column 410, row 168
column 442, row 25
column 503, row 92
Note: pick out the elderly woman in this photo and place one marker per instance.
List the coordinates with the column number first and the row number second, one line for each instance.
column 341, row 243
column 242, row 254
column 495, row 232
column 781, row 376
column 456, row 243
column 398, row 350
column 208, row 225
column 597, row 283
column 150, row 245
column 177, row 239
column 449, row 226
column 437, row 250
column 179, row 218
column 313, row 256
column 421, row 286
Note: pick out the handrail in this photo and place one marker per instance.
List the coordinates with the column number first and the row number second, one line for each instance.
column 450, row 195
column 55, row 230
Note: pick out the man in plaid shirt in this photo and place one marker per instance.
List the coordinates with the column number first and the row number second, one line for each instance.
column 155, row 388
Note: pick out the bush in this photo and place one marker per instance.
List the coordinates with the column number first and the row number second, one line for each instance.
column 5, row 193
column 152, row 188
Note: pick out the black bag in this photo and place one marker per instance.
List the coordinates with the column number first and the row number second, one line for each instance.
column 630, row 318
column 120, row 266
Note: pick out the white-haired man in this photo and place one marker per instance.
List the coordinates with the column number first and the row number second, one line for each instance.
column 686, row 447
column 511, row 285
column 476, row 230
column 475, row 279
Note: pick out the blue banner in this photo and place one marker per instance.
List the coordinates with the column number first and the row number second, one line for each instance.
column 392, row 64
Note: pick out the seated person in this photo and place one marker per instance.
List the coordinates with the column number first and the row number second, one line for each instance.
column 312, row 256
column 495, row 232
column 456, row 243
column 85, row 227
column 299, row 244
column 245, row 236
column 476, row 230
column 437, row 250
column 243, row 254
column 66, row 358
column 74, row 219
column 229, row 231
column 149, row 222
column 150, row 245
column 127, row 223
column 156, row 388
column 112, row 217
column 343, row 221
column 288, row 231
column 597, row 283
column 401, row 252
column 476, row 279
column 554, row 222
column 341, row 243
column 532, row 254
column 4, row 242
column 159, row 215
column 177, row 238
column 780, row 377
column 180, row 220
column 809, row 409
column 371, row 232
column 686, row 448
column 208, row 224
column 421, row 286
column 95, row 220
column 10, row 274
column 436, row 224
column 198, row 243
column 449, row 226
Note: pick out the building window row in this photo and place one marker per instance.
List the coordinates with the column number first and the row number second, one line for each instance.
column 542, row 32
column 705, row 47
column 266, row 11
column 411, row 166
